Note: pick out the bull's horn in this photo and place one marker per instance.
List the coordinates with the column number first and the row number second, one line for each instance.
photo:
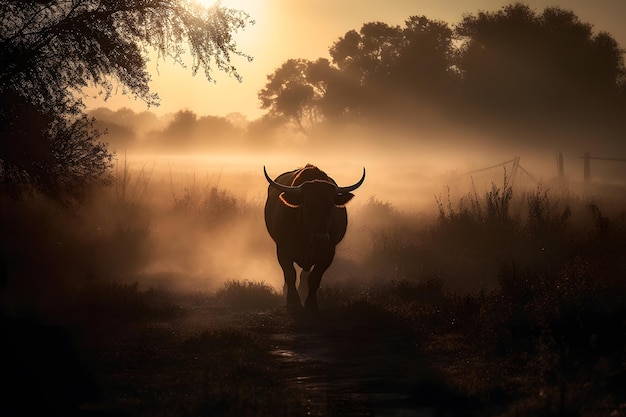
column 281, row 187
column 343, row 190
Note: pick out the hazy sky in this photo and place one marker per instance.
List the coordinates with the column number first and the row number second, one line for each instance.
column 287, row 29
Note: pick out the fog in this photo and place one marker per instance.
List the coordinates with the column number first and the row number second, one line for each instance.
column 203, row 211
column 188, row 217
column 186, row 214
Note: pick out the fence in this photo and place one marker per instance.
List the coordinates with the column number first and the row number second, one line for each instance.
column 516, row 168
column 587, row 163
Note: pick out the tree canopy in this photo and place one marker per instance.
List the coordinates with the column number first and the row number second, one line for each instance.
column 51, row 50
column 519, row 63
column 514, row 65
column 371, row 71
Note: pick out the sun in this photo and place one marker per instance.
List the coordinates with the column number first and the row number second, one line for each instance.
column 205, row 3
column 236, row 4
column 253, row 8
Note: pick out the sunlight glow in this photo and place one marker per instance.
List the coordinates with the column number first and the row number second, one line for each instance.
column 252, row 7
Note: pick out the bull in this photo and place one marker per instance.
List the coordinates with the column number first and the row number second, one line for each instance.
column 306, row 217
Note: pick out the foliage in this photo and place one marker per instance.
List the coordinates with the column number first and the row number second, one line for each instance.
column 50, row 51
column 474, row 237
column 59, row 157
column 211, row 207
column 546, row 339
column 369, row 68
column 49, row 47
column 291, row 94
column 415, row 57
column 551, row 58
column 248, row 295
column 490, row 69
column 188, row 132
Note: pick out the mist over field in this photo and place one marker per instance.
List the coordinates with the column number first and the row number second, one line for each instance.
column 185, row 211
column 195, row 218
column 484, row 267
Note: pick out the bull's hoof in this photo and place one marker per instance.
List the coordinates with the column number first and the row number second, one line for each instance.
column 294, row 308
column 311, row 305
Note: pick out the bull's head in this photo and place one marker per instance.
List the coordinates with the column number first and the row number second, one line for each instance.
column 315, row 191
column 317, row 198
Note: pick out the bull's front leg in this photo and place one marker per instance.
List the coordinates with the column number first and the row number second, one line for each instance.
column 289, row 272
column 303, row 284
column 315, row 279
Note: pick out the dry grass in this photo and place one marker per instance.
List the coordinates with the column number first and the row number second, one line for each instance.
column 514, row 300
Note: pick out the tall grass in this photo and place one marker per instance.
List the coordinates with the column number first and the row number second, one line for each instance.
column 470, row 240
column 46, row 249
column 531, row 280
column 517, row 296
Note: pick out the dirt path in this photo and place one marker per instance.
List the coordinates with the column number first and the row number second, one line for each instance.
column 331, row 386
column 352, row 361
column 359, row 364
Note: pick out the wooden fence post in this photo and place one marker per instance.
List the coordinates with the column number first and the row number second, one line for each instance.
column 514, row 169
column 560, row 166
column 587, row 167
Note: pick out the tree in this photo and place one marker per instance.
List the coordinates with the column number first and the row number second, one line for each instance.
column 379, row 71
column 550, row 66
column 60, row 157
column 425, row 59
column 371, row 54
column 290, row 94
column 338, row 93
column 51, row 50
column 413, row 60
column 400, row 70
column 188, row 132
column 497, row 69
column 308, row 93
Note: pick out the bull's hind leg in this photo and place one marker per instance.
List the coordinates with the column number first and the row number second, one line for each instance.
column 289, row 272
column 303, row 285
column 315, row 279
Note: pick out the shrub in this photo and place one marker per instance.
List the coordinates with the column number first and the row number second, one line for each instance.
column 248, row 295
column 546, row 219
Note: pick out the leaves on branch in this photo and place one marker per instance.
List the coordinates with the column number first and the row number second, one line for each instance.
column 51, row 50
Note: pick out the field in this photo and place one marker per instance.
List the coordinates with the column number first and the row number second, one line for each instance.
column 161, row 296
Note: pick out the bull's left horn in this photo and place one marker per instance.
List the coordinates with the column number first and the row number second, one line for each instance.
column 342, row 190
column 281, row 187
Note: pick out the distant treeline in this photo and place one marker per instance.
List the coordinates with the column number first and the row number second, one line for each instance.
column 513, row 73
column 179, row 132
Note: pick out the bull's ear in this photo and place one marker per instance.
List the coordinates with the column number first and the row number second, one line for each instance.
column 342, row 199
column 291, row 200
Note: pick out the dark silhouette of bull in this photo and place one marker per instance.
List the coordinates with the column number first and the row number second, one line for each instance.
column 305, row 214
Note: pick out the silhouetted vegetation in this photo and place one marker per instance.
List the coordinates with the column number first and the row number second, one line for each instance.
column 524, row 77
column 189, row 133
column 155, row 296
column 248, row 295
column 547, row 68
column 48, row 151
column 51, row 51
column 505, row 301
column 514, row 72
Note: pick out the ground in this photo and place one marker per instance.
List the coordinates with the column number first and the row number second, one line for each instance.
column 117, row 350
column 199, row 359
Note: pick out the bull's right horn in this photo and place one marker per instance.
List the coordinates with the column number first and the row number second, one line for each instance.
column 343, row 190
